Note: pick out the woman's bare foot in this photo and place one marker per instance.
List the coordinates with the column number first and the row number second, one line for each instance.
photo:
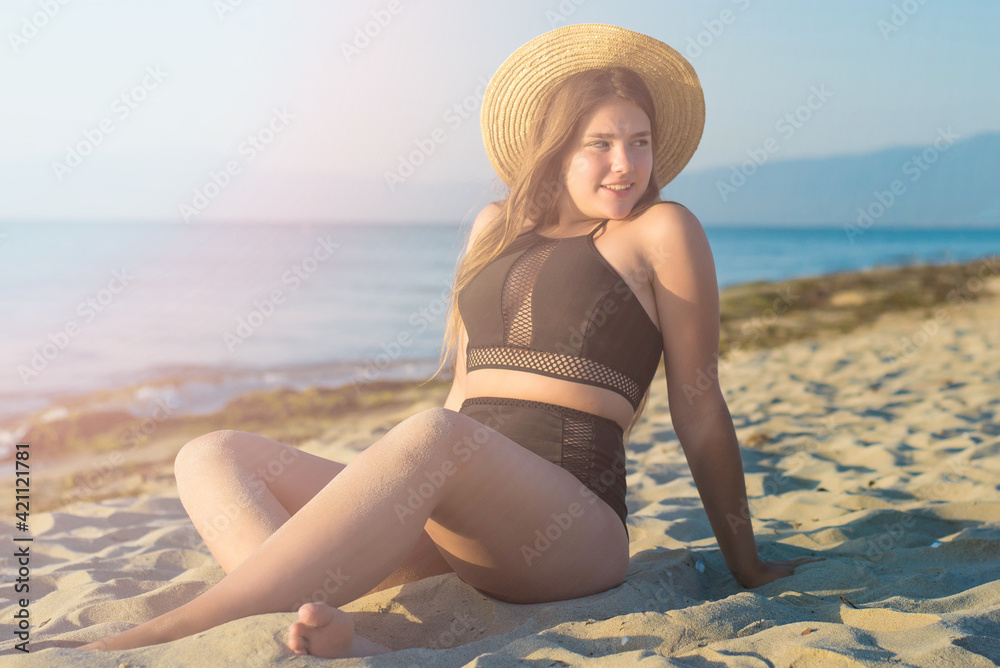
column 329, row 633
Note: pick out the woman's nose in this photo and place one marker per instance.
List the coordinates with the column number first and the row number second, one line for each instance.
column 621, row 161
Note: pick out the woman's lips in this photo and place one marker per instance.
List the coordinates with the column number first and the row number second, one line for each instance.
column 618, row 190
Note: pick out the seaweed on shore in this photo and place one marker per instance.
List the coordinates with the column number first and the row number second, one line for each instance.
column 766, row 314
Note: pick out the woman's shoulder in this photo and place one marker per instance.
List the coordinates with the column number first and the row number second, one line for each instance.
column 665, row 229
column 486, row 216
column 665, row 213
column 664, row 221
column 492, row 210
column 491, row 213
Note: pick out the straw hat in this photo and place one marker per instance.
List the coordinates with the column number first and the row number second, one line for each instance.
column 511, row 101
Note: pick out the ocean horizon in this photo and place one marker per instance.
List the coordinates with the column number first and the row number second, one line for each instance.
column 197, row 315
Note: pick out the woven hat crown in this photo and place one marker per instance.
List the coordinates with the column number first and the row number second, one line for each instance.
column 513, row 98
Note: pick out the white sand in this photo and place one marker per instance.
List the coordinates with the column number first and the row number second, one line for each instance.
column 888, row 471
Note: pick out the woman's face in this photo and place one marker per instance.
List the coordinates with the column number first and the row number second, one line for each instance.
column 609, row 164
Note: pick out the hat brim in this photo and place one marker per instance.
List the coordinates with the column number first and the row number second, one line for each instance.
column 515, row 92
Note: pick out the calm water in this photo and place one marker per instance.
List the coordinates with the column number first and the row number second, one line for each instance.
column 223, row 309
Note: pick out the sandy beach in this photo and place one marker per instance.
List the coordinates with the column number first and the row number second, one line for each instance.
column 874, row 447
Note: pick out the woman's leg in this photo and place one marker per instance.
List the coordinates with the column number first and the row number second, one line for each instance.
column 238, row 488
column 487, row 502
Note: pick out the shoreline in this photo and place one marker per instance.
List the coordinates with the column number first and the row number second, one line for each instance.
column 204, row 389
column 128, row 442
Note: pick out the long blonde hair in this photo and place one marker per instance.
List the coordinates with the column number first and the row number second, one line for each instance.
column 536, row 186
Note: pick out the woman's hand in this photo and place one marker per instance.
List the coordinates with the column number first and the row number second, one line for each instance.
column 767, row 571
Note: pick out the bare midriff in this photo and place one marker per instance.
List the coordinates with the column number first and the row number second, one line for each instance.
column 534, row 387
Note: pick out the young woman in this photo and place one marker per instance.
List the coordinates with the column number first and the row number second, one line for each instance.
column 568, row 293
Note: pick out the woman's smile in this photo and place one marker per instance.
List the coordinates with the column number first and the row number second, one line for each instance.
column 619, row 190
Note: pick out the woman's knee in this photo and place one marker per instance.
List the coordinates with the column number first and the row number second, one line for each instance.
column 205, row 451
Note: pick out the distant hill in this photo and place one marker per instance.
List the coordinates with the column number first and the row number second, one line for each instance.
column 960, row 188
column 956, row 186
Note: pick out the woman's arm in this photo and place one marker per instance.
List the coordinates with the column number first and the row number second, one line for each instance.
column 682, row 269
column 457, row 394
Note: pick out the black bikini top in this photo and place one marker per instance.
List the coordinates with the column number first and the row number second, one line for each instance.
column 556, row 307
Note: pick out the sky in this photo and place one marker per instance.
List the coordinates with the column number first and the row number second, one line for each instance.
column 244, row 111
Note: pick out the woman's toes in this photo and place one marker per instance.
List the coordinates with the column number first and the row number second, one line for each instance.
column 321, row 631
column 297, row 638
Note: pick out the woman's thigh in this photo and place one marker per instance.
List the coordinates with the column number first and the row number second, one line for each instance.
column 519, row 527
column 293, row 477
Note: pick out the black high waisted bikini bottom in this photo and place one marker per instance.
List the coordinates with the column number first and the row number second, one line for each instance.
column 589, row 446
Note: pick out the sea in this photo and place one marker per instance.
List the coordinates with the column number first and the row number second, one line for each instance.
column 140, row 316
